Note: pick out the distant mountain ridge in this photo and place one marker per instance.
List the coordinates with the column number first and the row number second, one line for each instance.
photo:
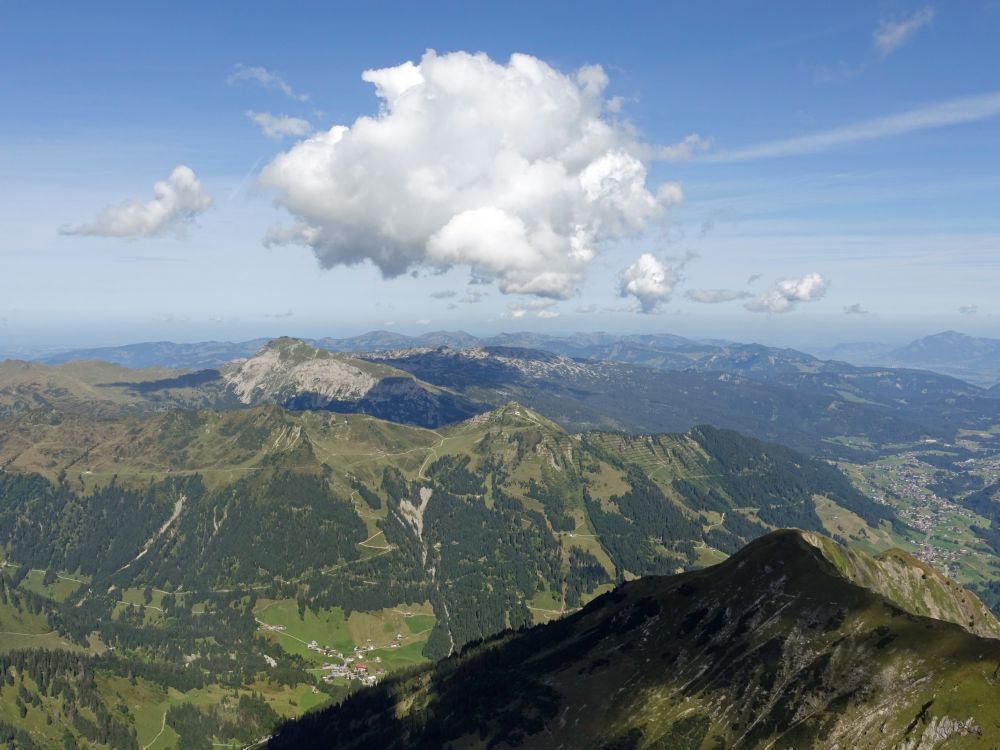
column 821, row 407
column 974, row 359
column 214, row 354
column 284, row 372
column 793, row 399
column 970, row 358
column 196, row 356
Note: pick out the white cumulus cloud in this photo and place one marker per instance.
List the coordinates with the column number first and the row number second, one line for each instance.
column 650, row 280
column 892, row 35
column 511, row 170
column 280, row 126
column 787, row 293
column 179, row 199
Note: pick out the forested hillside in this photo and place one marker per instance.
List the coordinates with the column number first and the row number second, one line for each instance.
column 242, row 555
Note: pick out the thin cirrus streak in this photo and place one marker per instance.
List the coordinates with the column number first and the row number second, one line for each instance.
column 941, row 114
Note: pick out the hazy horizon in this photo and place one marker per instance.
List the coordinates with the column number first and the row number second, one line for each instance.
column 805, row 338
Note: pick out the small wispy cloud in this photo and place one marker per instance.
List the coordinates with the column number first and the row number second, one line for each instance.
column 261, row 76
column 855, row 309
column 685, row 150
column 891, row 35
column 542, row 308
column 839, row 72
column 280, row 126
column 940, row 114
column 471, row 297
column 716, row 296
column 169, row 319
column 969, row 309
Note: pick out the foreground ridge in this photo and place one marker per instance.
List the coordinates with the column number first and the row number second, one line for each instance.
column 784, row 645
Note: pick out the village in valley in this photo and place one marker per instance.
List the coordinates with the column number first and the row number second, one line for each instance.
column 362, row 665
column 352, row 667
column 913, row 488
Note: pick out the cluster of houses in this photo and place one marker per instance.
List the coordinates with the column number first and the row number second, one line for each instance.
column 350, row 667
column 988, row 467
column 355, row 667
column 943, row 559
column 928, row 512
column 322, row 651
column 360, row 666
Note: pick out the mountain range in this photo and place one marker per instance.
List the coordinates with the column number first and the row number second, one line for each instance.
column 820, row 407
column 193, row 556
column 976, row 360
column 287, row 372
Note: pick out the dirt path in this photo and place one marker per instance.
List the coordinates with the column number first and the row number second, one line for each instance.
column 271, row 629
column 163, row 727
column 717, row 525
column 432, row 454
column 559, row 612
column 256, row 743
column 352, row 562
column 375, row 546
column 358, row 507
column 64, row 578
column 701, row 542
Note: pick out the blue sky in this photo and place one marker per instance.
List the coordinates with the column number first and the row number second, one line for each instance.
column 845, row 156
